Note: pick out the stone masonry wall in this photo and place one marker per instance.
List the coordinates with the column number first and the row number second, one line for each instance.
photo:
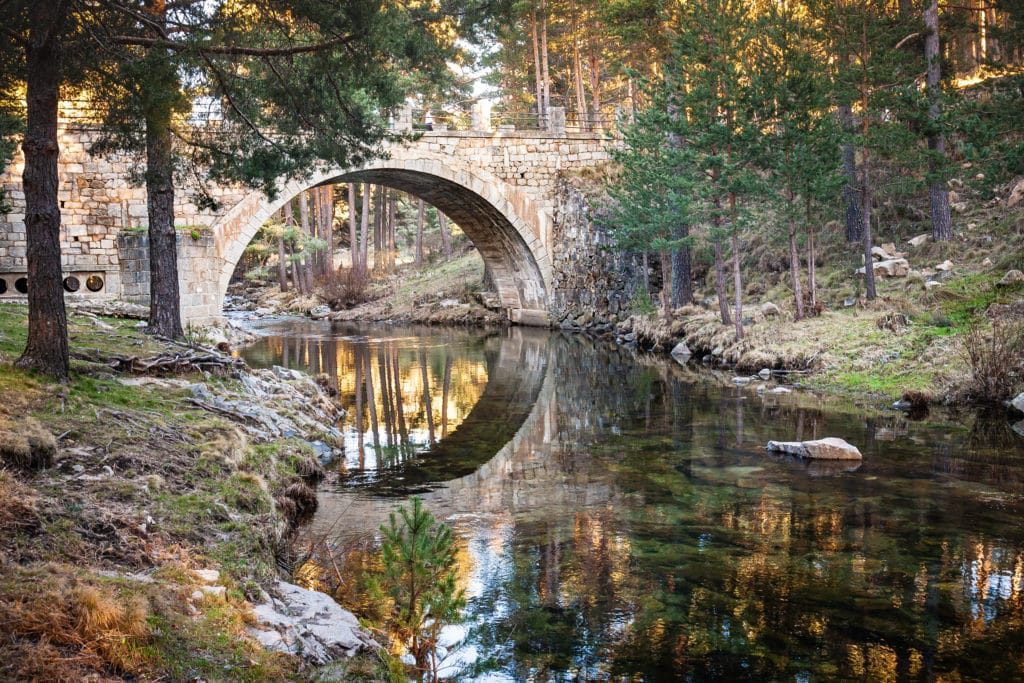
column 594, row 283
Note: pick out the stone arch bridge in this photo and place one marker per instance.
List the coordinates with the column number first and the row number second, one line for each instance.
column 499, row 186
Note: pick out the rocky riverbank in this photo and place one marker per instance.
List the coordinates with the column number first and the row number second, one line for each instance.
column 146, row 509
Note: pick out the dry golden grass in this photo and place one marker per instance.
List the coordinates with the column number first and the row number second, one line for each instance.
column 59, row 627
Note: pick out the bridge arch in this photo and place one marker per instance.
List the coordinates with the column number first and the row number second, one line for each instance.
column 507, row 228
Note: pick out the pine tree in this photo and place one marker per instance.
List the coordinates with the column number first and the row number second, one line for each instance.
column 793, row 91
column 651, row 195
column 418, row 578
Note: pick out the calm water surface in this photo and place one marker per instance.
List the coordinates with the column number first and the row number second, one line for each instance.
column 618, row 518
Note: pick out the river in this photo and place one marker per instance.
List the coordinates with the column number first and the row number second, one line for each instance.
column 618, row 518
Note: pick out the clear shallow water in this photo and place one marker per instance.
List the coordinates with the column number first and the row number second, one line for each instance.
column 618, row 518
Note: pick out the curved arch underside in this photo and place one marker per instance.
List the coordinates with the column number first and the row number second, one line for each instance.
column 512, row 264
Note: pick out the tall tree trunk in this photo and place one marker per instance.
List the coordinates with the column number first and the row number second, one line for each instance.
column 164, row 297
column 352, row 238
column 544, row 59
column 378, row 229
column 421, row 208
column 446, row 235
column 47, row 346
column 581, row 100
column 594, row 61
column 538, row 77
column 938, row 194
column 282, row 266
column 666, row 283
column 392, row 225
column 327, row 229
column 794, row 268
column 364, row 228
column 723, row 302
column 865, row 208
column 297, row 279
column 737, row 282
column 851, row 194
column 682, row 275
column 307, row 229
column 812, row 257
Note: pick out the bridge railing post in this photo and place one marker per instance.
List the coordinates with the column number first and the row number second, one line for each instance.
column 482, row 117
column 556, row 120
column 403, row 118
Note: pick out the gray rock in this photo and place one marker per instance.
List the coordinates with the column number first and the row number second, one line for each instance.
column 717, row 351
column 850, row 301
column 919, row 240
column 765, row 374
column 897, row 267
column 1011, row 277
column 830, row 448
column 320, row 312
column 768, row 309
column 780, row 390
column 681, row 352
column 1018, row 427
column 308, row 624
column 287, row 373
column 741, row 381
column 1018, row 402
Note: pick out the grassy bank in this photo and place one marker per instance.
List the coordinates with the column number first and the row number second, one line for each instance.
column 141, row 488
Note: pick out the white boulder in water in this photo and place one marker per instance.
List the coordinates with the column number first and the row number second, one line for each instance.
column 830, row 448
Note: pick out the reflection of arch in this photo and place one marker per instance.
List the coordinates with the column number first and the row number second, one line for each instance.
column 504, row 224
column 517, row 371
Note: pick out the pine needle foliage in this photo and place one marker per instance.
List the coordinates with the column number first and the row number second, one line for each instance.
column 418, row 582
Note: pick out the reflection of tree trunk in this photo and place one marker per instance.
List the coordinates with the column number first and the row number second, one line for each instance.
column 371, row 401
column 552, row 568
column 445, row 389
column 403, row 430
column 385, row 394
column 284, row 351
column 357, row 360
column 427, row 403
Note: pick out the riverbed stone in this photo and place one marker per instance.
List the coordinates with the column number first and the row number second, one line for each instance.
column 765, row 374
column 308, row 624
column 320, row 312
column 829, row 448
column 1018, row 402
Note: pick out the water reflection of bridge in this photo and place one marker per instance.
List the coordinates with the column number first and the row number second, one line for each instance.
column 505, row 457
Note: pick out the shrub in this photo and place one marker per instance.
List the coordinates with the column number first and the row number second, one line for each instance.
column 995, row 357
column 345, row 288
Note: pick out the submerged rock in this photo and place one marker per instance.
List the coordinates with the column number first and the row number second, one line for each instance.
column 309, row 624
column 830, row 448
